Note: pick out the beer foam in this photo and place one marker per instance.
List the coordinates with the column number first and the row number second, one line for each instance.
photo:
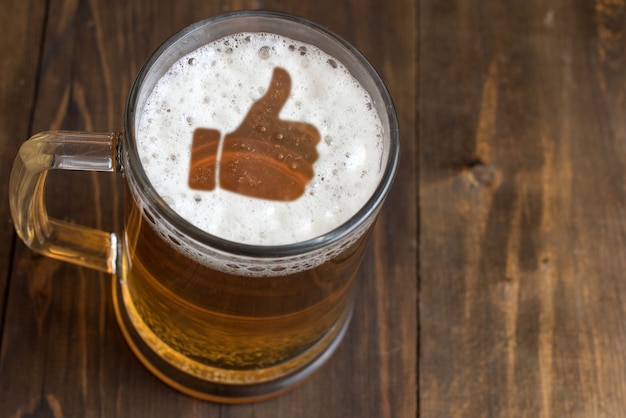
column 214, row 87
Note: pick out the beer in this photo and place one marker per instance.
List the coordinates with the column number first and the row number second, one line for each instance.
column 246, row 320
column 233, row 328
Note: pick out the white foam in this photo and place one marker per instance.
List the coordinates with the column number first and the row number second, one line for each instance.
column 214, row 87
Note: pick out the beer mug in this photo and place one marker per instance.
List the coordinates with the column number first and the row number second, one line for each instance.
column 256, row 152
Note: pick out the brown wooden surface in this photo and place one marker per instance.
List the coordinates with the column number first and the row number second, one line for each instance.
column 522, row 152
column 511, row 300
column 69, row 64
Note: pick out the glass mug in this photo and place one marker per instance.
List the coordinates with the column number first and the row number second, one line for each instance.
column 213, row 317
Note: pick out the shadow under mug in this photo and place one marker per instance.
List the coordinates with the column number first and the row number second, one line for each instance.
column 250, row 322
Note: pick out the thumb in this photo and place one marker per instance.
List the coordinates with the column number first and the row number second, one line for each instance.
column 276, row 95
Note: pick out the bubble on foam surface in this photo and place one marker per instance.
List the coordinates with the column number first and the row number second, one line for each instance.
column 214, row 87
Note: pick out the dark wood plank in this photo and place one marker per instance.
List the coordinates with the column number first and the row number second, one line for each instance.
column 60, row 332
column 62, row 353
column 19, row 58
column 522, row 198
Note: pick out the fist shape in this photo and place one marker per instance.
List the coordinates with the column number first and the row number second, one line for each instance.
column 265, row 157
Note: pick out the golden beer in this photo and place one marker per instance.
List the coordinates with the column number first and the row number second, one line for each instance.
column 264, row 161
column 232, row 328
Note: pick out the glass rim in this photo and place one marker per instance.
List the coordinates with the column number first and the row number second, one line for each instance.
column 257, row 250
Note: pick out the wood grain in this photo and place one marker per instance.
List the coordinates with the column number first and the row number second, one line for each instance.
column 521, row 196
column 19, row 59
column 62, row 354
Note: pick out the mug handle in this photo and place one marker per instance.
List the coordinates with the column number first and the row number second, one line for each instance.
column 62, row 150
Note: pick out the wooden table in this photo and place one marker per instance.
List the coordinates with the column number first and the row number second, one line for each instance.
column 511, row 300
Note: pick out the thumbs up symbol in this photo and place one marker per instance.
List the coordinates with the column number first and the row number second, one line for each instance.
column 265, row 157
